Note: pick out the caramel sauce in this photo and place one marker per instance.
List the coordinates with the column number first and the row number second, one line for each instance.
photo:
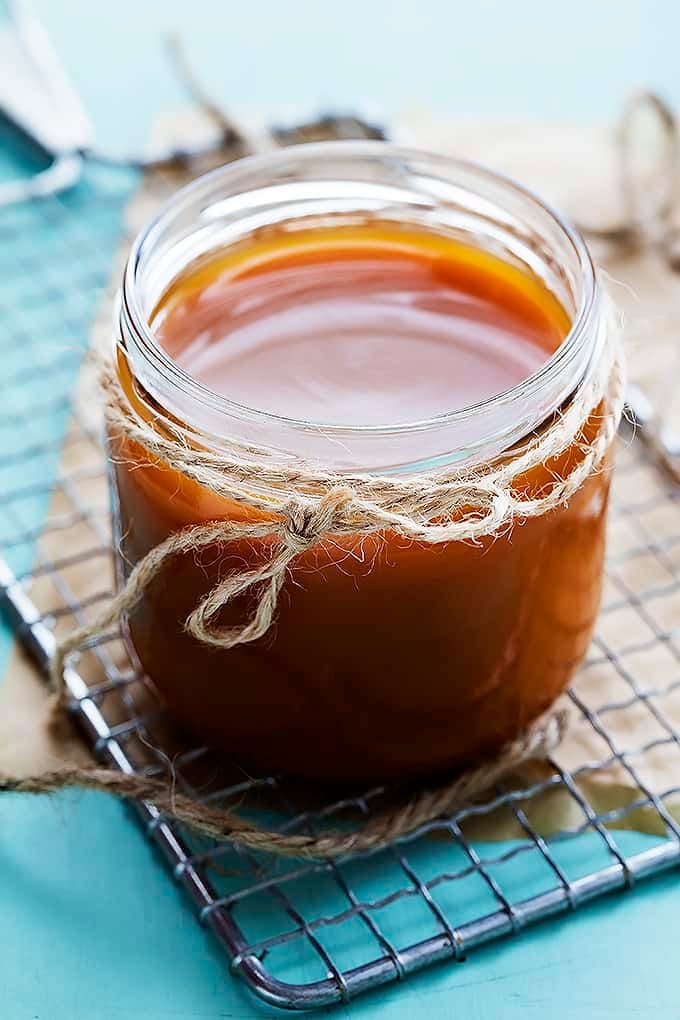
column 387, row 657
column 359, row 327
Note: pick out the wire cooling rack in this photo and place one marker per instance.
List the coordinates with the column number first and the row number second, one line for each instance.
column 304, row 934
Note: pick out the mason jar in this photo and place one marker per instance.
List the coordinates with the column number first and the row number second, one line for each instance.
column 387, row 657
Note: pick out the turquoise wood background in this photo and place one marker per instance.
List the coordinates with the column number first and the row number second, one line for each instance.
column 90, row 926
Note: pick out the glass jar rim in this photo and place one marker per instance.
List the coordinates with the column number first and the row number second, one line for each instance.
column 160, row 374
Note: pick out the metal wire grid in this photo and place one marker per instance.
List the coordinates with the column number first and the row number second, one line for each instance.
column 304, row 934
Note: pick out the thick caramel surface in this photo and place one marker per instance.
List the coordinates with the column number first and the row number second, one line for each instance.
column 359, row 326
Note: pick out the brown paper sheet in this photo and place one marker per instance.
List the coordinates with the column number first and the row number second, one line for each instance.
column 575, row 168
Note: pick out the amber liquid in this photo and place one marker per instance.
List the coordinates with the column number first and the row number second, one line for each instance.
column 359, row 326
column 387, row 657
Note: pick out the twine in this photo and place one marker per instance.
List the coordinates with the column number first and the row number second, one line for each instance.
column 311, row 504
column 305, row 505
column 393, row 823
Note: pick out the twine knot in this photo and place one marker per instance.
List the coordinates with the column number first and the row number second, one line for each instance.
column 306, row 523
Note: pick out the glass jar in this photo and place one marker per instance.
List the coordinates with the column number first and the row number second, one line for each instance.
column 387, row 657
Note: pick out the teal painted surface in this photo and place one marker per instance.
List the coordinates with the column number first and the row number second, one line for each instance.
column 526, row 56
column 90, row 925
column 54, row 264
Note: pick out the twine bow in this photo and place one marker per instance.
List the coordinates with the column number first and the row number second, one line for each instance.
column 301, row 528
